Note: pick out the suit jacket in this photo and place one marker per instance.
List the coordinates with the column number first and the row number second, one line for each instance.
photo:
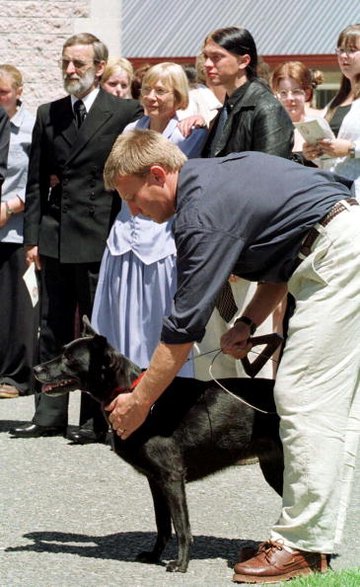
column 71, row 220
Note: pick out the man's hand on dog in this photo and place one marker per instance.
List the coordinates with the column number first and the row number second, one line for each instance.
column 128, row 412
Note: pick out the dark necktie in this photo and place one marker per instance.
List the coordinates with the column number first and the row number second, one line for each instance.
column 80, row 112
column 225, row 303
column 223, row 116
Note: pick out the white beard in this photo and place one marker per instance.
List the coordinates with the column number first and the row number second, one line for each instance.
column 81, row 86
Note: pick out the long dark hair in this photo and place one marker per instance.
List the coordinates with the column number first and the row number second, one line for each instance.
column 347, row 39
column 238, row 41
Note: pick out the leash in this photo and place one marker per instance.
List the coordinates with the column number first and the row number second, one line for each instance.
column 272, row 342
column 218, row 351
column 240, row 399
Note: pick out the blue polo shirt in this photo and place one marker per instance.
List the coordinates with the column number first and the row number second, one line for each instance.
column 246, row 214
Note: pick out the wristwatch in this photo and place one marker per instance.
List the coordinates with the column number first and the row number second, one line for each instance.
column 248, row 323
column 9, row 211
column 352, row 153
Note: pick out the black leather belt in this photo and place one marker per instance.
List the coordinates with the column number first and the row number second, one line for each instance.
column 313, row 233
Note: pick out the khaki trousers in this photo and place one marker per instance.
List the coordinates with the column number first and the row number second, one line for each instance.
column 317, row 389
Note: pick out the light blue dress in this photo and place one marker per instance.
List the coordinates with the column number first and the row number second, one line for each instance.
column 137, row 278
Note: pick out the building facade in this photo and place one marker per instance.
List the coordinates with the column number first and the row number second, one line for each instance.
column 32, row 33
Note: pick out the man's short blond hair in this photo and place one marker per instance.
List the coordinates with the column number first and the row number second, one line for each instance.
column 135, row 151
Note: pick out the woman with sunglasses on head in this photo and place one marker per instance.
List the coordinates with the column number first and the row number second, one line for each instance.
column 343, row 115
column 138, row 274
column 293, row 84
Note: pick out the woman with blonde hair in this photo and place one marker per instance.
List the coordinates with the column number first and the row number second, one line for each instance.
column 343, row 115
column 117, row 77
column 138, row 275
column 18, row 317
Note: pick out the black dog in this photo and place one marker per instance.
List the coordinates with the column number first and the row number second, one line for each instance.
column 193, row 430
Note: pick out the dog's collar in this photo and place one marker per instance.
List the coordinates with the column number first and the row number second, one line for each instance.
column 118, row 390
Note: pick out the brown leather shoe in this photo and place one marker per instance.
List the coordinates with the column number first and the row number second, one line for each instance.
column 273, row 562
column 248, row 551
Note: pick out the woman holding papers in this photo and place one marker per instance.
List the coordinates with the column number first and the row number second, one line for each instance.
column 293, row 84
column 343, row 114
column 18, row 317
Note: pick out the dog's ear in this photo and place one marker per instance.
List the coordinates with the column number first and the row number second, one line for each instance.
column 87, row 328
column 103, row 353
column 99, row 342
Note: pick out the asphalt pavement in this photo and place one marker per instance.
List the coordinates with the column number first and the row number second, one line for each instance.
column 76, row 516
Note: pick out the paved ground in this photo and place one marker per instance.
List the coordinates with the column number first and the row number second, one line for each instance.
column 75, row 516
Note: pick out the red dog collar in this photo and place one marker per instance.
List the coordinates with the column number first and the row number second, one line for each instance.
column 118, row 390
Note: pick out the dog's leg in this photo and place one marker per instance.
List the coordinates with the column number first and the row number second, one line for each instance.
column 163, row 524
column 272, row 467
column 176, row 496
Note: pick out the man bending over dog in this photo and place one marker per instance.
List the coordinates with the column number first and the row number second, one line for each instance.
column 289, row 228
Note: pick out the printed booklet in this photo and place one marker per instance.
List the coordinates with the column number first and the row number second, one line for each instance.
column 315, row 130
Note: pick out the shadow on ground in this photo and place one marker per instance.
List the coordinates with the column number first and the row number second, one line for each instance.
column 125, row 546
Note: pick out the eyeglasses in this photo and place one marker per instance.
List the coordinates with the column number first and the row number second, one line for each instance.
column 349, row 52
column 64, row 63
column 296, row 94
column 159, row 92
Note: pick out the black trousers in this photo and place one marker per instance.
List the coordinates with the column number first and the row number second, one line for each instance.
column 18, row 321
column 67, row 292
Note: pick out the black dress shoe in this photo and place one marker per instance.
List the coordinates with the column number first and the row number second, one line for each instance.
column 35, row 431
column 86, row 436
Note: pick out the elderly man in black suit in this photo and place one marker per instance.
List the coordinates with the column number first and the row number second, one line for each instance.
column 68, row 215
